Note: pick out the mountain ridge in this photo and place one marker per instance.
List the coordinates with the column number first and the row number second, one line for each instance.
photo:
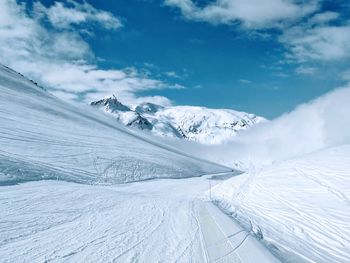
column 200, row 124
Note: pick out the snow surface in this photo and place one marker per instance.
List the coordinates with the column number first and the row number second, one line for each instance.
column 66, row 222
column 301, row 207
column 42, row 137
column 200, row 124
column 59, row 220
column 163, row 220
column 295, row 197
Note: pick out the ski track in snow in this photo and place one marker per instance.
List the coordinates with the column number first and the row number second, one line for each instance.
column 60, row 221
column 163, row 220
column 300, row 206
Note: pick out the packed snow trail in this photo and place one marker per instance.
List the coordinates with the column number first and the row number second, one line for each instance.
column 226, row 241
column 152, row 221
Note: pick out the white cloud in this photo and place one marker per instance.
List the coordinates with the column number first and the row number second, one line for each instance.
column 304, row 70
column 345, row 75
column 307, row 33
column 250, row 13
column 61, row 59
column 66, row 14
column 319, row 124
column 245, row 81
column 323, row 42
column 323, row 17
column 172, row 74
column 280, row 75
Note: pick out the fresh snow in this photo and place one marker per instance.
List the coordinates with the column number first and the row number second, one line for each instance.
column 300, row 207
column 200, row 124
column 60, row 200
column 154, row 221
column 42, row 137
column 53, row 221
column 294, row 196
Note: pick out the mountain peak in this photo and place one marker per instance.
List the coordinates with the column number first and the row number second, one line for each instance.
column 111, row 104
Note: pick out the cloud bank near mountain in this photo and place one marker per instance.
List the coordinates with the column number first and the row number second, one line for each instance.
column 49, row 44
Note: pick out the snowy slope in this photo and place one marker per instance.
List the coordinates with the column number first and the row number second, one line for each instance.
column 42, row 137
column 301, row 207
column 164, row 220
column 151, row 221
column 207, row 126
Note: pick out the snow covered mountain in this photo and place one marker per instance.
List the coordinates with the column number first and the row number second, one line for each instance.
column 42, row 137
column 123, row 113
column 207, row 126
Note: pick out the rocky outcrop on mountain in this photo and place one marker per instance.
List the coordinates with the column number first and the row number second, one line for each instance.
column 122, row 113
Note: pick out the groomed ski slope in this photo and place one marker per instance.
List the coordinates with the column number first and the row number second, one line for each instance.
column 300, row 207
column 52, row 221
column 163, row 220
column 42, row 137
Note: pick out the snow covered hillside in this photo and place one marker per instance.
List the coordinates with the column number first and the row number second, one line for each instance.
column 42, row 137
column 300, row 207
column 296, row 193
column 207, row 126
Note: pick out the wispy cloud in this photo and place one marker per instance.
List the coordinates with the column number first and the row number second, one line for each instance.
column 307, row 32
column 280, row 75
column 248, row 13
column 172, row 74
column 304, row 70
column 322, row 42
column 46, row 43
column 324, row 17
column 69, row 13
column 345, row 75
column 245, row 81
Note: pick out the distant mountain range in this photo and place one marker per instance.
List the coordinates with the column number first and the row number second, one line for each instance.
column 204, row 125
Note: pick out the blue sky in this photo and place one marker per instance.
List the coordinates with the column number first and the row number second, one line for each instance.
column 186, row 52
column 232, row 68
